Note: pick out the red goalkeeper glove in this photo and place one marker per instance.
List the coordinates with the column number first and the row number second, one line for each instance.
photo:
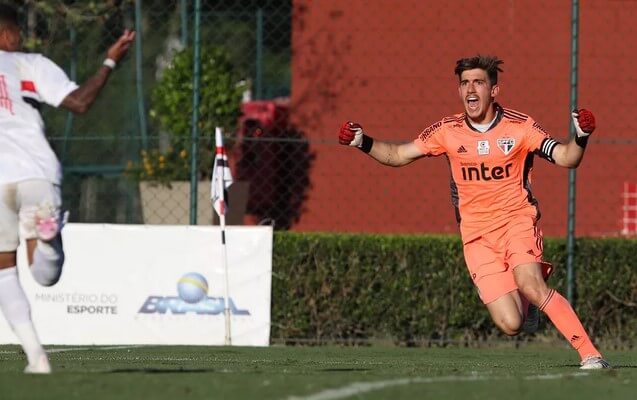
column 351, row 134
column 584, row 122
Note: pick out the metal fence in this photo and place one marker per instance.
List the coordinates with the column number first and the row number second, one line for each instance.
column 388, row 64
column 103, row 150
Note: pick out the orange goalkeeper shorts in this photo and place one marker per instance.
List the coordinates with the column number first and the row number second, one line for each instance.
column 492, row 257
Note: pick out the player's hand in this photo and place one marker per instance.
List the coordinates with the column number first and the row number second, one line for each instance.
column 584, row 122
column 119, row 49
column 351, row 134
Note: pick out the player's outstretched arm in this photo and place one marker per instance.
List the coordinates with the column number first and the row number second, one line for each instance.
column 391, row 154
column 80, row 100
column 570, row 155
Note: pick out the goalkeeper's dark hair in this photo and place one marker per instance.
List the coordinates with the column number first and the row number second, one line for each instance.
column 491, row 64
column 8, row 15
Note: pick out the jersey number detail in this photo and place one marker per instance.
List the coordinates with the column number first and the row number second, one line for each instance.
column 5, row 100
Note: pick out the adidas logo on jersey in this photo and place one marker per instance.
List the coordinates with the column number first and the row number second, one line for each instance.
column 461, row 149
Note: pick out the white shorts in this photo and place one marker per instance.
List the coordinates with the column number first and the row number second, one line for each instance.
column 19, row 204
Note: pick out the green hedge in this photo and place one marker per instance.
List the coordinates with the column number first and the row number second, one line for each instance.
column 415, row 289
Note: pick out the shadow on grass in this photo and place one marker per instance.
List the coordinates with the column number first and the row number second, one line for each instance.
column 345, row 369
column 161, row 370
column 614, row 368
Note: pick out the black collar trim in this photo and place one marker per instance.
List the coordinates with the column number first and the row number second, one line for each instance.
column 499, row 112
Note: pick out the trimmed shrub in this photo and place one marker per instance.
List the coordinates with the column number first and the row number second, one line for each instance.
column 415, row 290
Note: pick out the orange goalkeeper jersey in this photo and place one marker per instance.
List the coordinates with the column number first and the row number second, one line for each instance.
column 490, row 171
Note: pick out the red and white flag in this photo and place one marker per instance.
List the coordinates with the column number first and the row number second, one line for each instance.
column 221, row 176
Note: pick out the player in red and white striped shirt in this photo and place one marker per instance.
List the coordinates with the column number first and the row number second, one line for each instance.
column 30, row 174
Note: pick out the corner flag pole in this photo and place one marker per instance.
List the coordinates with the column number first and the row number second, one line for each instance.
column 221, row 180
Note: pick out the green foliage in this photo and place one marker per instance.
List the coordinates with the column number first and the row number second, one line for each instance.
column 220, row 94
column 160, row 167
column 172, row 104
column 416, row 289
column 606, row 282
column 350, row 287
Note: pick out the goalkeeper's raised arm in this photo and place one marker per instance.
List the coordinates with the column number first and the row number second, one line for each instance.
column 391, row 154
column 570, row 155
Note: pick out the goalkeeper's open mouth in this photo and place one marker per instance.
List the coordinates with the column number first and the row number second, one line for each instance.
column 473, row 103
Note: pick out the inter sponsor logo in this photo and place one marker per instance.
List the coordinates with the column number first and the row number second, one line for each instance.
column 485, row 173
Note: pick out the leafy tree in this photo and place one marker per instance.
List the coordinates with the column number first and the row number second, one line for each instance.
column 220, row 94
column 171, row 108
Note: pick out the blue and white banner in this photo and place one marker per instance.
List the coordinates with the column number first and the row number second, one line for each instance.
column 145, row 284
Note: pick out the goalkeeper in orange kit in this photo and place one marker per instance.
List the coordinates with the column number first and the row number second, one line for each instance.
column 490, row 150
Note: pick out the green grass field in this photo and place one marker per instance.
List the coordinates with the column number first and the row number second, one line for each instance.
column 316, row 373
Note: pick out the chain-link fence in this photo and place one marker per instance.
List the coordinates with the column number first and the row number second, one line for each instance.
column 122, row 161
column 304, row 67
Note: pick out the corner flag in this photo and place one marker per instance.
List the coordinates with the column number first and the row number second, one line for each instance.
column 221, row 181
column 221, row 176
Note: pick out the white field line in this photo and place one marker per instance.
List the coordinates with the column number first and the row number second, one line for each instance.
column 358, row 388
column 92, row 348
column 65, row 349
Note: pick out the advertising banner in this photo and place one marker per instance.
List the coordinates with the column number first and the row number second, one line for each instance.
column 145, row 284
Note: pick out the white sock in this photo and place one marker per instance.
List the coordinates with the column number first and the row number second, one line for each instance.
column 48, row 259
column 15, row 306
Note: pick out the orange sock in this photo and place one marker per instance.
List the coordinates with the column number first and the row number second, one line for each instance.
column 561, row 314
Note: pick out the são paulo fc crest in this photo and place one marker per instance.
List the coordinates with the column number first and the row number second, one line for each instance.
column 506, row 145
